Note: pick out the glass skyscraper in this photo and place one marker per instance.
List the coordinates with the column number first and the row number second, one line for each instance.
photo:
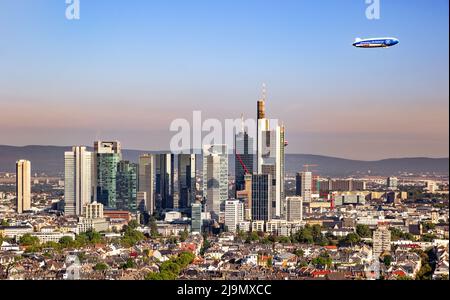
column 106, row 159
column 186, row 180
column 243, row 144
column 126, row 186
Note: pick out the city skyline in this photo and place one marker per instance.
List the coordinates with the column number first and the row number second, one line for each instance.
column 71, row 82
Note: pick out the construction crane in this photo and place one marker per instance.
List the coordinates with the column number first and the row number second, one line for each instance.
column 242, row 163
column 307, row 167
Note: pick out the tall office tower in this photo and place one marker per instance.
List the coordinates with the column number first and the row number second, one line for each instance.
column 246, row 196
column 243, row 160
column 392, row 183
column 106, row 158
column 165, row 193
column 146, row 182
column 23, row 185
column 303, row 185
column 126, row 186
column 315, row 187
column 196, row 218
column 234, row 214
column 261, row 197
column 215, row 177
column 186, row 180
column 270, row 156
column 294, row 209
column 77, row 180
column 381, row 240
column 141, row 202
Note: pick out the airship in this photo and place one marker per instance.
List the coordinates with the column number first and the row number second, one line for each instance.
column 384, row 42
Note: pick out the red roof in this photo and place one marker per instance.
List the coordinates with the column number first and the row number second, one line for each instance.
column 318, row 273
column 331, row 247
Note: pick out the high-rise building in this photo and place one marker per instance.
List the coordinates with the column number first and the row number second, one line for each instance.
column 381, row 240
column 262, row 197
column 270, row 156
column 107, row 156
column 186, row 180
column 23, row 185
column 303, row 185
column 196, row 218
column 165, row 193
column 392, row 183
column 126, row 186
column 146, row 182
column 246, row 196
column 431, row 186
column 93, row 210
column 215, row 178
column 141, row 200
column 243, row 160
column 234, row 214
column 77, row 180
column 294, row 209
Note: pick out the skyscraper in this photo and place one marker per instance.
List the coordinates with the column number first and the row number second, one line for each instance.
column 126, row 186
column 106, row 158
column 303, row 185
column 186, row 180
column 392, row 183
column 23, row 185
column 261, row 197
column 77, row 180
column 215, row 177
column 294, row 209
column 164, row 181
column 146, row 181
column 234, row 214
column 243, row 160
column 270, row 156
column 196, row 218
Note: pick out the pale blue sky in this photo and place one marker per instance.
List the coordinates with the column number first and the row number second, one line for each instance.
column 126, row 69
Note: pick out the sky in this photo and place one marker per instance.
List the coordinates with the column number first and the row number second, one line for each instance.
column 127, row 68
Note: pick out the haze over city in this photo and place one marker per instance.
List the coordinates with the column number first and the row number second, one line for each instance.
column 126, row 69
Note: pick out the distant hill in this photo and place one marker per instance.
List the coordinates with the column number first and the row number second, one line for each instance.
column 50, row 160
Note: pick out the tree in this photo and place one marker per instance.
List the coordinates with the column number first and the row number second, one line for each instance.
column 101, row 266
column 299, row 252
column 387, row 260
column 29, row 240
column 66, row 242
column 184, row 235
column 130, row 264
column 323, row 260
column 4, row 223
column 363, row 231
column 352, row 238
column 133, row 224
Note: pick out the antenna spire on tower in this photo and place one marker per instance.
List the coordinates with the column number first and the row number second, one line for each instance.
column 264, row 92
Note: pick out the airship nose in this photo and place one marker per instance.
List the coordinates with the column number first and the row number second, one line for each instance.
column 395, row 42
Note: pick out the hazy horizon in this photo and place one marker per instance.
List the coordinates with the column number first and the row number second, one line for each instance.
column 126, row 69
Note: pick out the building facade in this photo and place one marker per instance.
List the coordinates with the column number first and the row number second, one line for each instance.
column 23, row 186
column 77, row 180
column 107, row 156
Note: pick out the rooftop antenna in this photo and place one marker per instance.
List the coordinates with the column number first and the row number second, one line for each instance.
column 242, row 123
column 264, row 92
